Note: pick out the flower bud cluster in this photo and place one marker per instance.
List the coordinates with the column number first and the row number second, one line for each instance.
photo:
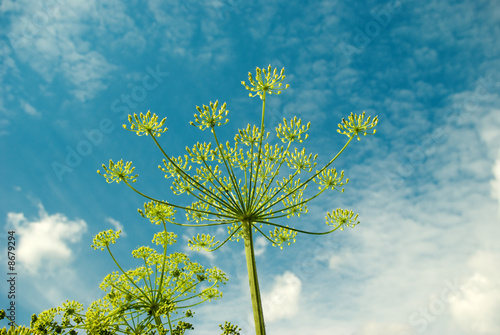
column 266, row 81
column 292, row 132
column 105, row 238
column 158, row 212
column 118, row 172
column 209, row 116
column 341, row 218
column 330, row 179
column 356, row 124
column 282, row 236
column 146, row 124
column 205, row 242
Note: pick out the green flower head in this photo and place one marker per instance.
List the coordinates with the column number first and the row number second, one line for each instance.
column 356, row 125
column 210, row 294
column 205, row 242
column 158, row 212
column 105, row 238
column 282, row 236
column 209, row 116
column 118, row 172
column 292, row 132
column 341, row 218
column 164, row 238
column 229, row 329
column 265, row 82
column 146, row 124
column 330, row 179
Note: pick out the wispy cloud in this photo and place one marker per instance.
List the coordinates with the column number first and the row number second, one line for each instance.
column 8, row 68
column 495, row 183
column 51, row 38
column 29, row 109
column 117, row 226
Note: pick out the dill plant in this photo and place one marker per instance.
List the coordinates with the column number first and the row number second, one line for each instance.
column 239, row 185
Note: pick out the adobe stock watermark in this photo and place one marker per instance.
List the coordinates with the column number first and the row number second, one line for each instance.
column 94, row 137
column 455, row 116
column 34, row 23
column 421, row 319
column 364, row 36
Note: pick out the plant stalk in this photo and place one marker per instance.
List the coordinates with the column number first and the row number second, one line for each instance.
column 258, row 313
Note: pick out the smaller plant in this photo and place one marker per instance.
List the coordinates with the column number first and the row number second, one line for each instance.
column 154, row 298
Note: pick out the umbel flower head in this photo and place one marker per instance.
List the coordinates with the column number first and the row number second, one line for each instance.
column 209, row 116
column 356, row 124
column 266, row 81
column 158, row 212
column 118, row 172
column 105, row 238
column 341, row 218
column 146, row 124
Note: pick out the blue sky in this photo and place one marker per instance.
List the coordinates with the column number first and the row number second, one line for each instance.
column 425, row 258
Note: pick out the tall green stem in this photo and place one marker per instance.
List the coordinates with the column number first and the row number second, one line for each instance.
column 258, row 313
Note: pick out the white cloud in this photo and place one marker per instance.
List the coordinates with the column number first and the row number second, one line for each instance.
column 117, row 226
column 283, row 300
column 47, row 268
column 44, row 243
column 210, row 255
column 477, row 309
column 495, row 183
column 29, row 109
